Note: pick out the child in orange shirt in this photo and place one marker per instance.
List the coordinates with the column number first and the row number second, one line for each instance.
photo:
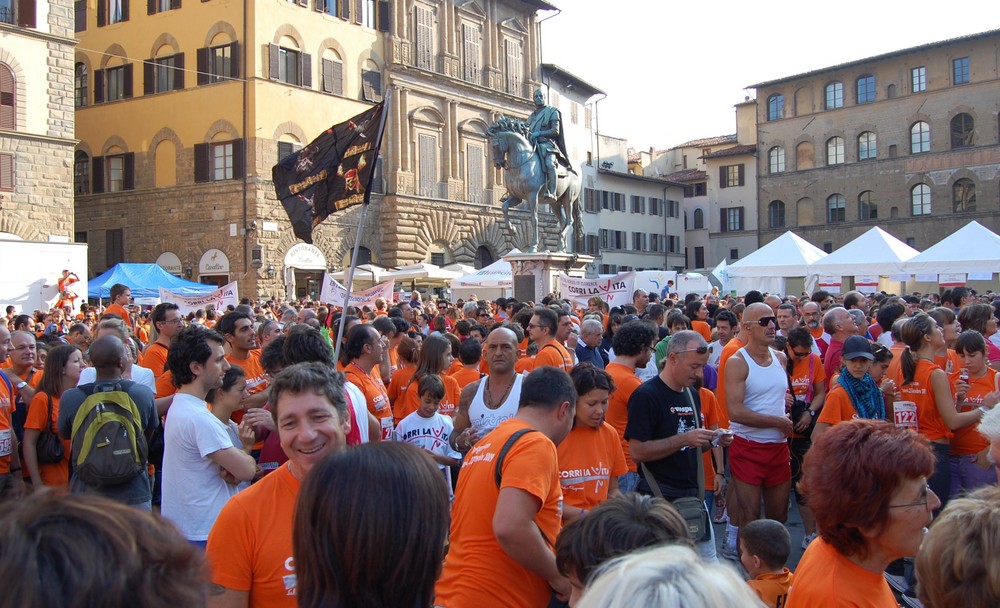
column 764, row 549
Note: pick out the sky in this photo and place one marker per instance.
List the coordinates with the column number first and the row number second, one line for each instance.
column 673, row 70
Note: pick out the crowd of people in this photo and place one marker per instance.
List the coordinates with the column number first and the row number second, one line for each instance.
column 503, row 453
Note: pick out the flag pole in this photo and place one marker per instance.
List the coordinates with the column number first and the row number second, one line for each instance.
column 349, row 279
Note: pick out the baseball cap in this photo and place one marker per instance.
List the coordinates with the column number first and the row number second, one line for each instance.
column 856, row 346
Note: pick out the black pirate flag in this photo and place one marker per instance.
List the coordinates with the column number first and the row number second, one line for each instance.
column 332, row 173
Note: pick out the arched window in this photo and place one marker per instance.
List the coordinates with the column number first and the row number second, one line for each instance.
column 865, row 89
column 776, row 160
column 962, row 131
column 364, row 255
column 836, row 208
column 699, row 219
column 80, row 85
column 920, row 137
column 920, row 198
column 81, row 173
column 775, row 107
column 484, row 257
column 867, row 148
column 8, row 98
column 835, row 151
column 776, row 214
column 834, row 95
column 867, row 207
column 963, row 195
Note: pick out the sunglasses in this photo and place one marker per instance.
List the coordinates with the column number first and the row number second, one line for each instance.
column 765, row 321
column 701, row 350
column 800, row 355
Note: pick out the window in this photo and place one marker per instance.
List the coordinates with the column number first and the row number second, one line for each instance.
column 655, row 206
column 219, row 161
column 960, row 70
column 472, row 56
column 287, row 147
column 918, row 79
column 673, row 208
column 111, row 11
column 867, row 148
column 114, row 167
column 638, row 204
column 80, row 85
column 834, row 95
column 911, row 242
column 699, row 189
column 867, row 207
column 513, row 64
column 639, row 241
column 962, row 131
column 371, row 85
column 920, row 198
column 590, row 202
column 474, row 158
column 591, row 244
column 366, row 17
column 114, row 246
column 112, row 173
column 920, row 137
column 163, row 74
column 828, row 246
column 427, row 148
column 484, row 257
column 7, row 172
column 776, row 214
column 963, row 195
column 699, row 257
column 731, row 219
column 673, row 243
column 81, row 173
column 288, row 66
column 835, row 208
column 80, row 15
column 730, row 176
column 425, row 38
column 161, row 6
column 835, row 151
column 218, row 63
column 866, row 89
column 775, row 107
column 333, row 76
column 776, row 160
column 8, row 98
column 113, row 84
column 222, row 161
column 734, row 254
column 699, row 219
column 80, row 236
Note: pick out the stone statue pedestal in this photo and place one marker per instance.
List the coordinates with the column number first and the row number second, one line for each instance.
column 535, row 274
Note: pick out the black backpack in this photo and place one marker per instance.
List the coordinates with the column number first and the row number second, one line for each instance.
column 108, row 445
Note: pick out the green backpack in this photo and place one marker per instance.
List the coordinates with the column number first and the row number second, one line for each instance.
column 108, row 445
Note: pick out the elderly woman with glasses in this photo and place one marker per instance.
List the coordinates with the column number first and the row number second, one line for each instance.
column 867, row 484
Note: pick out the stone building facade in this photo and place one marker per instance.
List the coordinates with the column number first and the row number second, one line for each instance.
column 36, row 120
column 907, row 141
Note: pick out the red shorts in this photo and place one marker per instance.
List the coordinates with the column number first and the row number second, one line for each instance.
column 760, row 464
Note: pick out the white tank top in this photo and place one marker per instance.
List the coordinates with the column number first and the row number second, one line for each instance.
column 765, row 394
column 484, row 419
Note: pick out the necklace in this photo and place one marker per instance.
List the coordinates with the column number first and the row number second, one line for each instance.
column 488, row 396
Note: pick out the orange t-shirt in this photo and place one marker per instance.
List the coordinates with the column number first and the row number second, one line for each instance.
column 894, row 366
column 455, row 366
column 142, row 333
column 250, row 545
column 155, row 358
column 702, row 328
column 477, row 571
column 951, row 357
column 393, row 360
column 409, row 399
column 256, row 382
column 375, row 395
column 837, row 407
column 400, row 378
column 555, row 355
column 53, row 475
column 728, row 351
column 711, row 416
column 165, row 385
column 625, row 383
column 802, row 381
column 968, row 440
column 6, row 432
column 523, row 346
column 825, row 578
column 466, row 376
column 115, row 309
column 524, row 365
column 588, row 457
column 929, row 421
column 772, row 588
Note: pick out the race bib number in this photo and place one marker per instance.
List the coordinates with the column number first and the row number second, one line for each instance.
column 905, row 413
column 5, row 443
column 386, row 428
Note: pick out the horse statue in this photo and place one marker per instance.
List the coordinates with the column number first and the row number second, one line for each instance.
column 511, row 149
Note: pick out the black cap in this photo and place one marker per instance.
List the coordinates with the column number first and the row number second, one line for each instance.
column 856, row 346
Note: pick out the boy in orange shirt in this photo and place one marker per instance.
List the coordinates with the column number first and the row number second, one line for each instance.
column 764, row 549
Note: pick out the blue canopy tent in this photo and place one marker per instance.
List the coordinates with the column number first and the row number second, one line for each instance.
column 145, row 281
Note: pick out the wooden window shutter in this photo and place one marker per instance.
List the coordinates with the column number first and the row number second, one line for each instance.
column 26, row 13
column 80, row 15
column 234, row 60
column 128, row 177
column 327, row 85
column 98, row 86
column 741, row 213
column 150, row 7
column 7, row 172
column 175, row 4
column 239, row 167
column 358, row 10
column 303, row 2
column 102, row 16
column 305, row 69
column 125, row 4
column 320, row 6
column 201, row 162
column 147, row 76
column 723, row 227
column 722, row 178
column 127, row 72
column 337, row 73
column 178, row 71
column 383, row 24
column 273, row 59
column 97, row 174
column 284, row 149
column 202, row 58
column 345, row 9
column 741, row 175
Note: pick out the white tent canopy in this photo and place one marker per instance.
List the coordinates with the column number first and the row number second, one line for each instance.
column 423, row 270
column 497, row 274
column 789, row 255
column 972, row 248
column 371, row 273
column 875, row 252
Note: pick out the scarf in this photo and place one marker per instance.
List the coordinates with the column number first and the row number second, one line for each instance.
column 865, row 395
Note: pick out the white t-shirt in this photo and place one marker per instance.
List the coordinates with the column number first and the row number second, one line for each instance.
column 140, row 375
column 430, row 434
column 715, row 353
column 193, row 488
column 360, row 405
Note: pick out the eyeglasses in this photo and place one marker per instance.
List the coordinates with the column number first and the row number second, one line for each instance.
column 533, row 326
column 924, row 501
column 765, row 321
column 800, row 354
column 701, row 350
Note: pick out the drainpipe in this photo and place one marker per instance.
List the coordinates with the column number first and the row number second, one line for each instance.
column 246, row 143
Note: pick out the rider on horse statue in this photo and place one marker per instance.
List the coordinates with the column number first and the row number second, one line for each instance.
column 547, row 136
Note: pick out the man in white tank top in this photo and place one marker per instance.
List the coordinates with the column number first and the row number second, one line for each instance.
column 756, row 390
column 486, row 403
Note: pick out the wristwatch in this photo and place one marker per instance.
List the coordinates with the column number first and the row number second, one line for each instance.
column 813, row 413
column 21, row 385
